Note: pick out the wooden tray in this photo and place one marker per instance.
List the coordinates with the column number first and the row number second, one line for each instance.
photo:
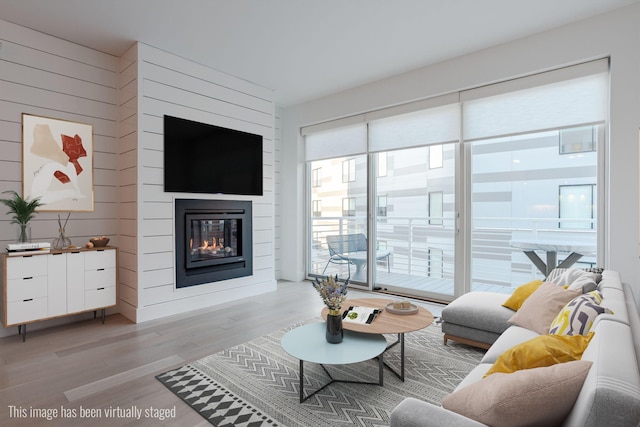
column 412, row 310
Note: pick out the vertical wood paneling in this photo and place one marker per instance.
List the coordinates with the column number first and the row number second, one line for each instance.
column 277, row 188
column 167, row 84
column 128, row 293
column 45, row 76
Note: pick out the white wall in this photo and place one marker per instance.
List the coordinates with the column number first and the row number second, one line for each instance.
column 45, row 76
column 155, row 83
column 615, row 34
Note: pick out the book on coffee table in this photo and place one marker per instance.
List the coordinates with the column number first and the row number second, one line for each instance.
column 362, row 315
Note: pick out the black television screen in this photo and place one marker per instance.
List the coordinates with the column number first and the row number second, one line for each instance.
column 204, row 158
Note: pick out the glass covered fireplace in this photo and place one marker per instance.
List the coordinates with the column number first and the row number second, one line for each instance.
column 213, row 240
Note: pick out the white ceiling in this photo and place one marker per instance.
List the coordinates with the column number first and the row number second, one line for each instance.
column 302, row 49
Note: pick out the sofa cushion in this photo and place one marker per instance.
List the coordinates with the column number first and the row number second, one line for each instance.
column 478, row 310
column 610, row 395
column 610, row 279
column 522, row 292
column 543, row 350
column 474, row 376
column 615, row 300
column 578, row 316
column 538, row 396
column 511, row 337
column 539, row 310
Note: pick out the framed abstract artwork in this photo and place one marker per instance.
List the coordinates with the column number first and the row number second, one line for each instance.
column 57, row 163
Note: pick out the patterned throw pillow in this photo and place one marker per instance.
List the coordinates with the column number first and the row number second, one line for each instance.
column 577, row 317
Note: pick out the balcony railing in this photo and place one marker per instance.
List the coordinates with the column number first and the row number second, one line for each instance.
column 424, row 247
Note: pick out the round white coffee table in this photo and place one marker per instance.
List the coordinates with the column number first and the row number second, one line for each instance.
column 308, row 343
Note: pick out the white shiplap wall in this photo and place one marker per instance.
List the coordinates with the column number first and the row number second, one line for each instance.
column 46, row 76
column 155, row 83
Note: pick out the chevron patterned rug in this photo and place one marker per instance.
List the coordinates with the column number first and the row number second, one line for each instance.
column 256, row 384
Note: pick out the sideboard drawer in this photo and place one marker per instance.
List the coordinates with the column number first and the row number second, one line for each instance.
column 100, row 297
column 26, row 266
column 100, row 258
column 25, row 311
column 32, row 287
column 99, row 278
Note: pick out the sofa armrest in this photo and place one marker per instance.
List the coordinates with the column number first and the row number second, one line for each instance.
column 417, row 413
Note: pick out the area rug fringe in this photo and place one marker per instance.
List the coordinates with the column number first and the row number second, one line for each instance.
column 256, row 384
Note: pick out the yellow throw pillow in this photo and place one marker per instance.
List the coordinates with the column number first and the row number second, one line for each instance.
column 544, row 350
column 517, row 298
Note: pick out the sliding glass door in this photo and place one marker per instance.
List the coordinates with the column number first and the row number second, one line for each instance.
column 338, row 221
column 483, row 189
column 415, row 220
column 532, row 192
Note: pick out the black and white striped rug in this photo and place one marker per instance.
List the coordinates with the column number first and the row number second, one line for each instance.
column 256, row 384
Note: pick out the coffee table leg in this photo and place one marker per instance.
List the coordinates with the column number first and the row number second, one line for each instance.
column 401, row 337
column 301, row 380
column 400, row 341
column 381, row 368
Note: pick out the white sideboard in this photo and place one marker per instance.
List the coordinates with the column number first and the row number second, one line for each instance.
column 43, row 286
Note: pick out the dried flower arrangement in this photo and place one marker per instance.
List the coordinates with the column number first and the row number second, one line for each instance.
column 333, row 292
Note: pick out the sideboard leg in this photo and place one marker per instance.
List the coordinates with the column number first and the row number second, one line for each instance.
column 24, row 332
column 103, row 315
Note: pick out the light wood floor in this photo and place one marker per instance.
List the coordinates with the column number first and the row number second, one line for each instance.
column 93, row 366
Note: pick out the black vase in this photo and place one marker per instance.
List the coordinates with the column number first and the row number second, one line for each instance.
column 334, row 328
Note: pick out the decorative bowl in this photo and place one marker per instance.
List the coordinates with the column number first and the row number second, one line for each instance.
column 99, row 242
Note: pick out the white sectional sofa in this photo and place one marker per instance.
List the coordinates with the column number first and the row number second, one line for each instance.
column 610, row 393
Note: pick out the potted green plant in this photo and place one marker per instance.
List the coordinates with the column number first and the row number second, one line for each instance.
column 22, row 210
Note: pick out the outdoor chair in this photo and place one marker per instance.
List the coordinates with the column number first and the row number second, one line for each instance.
column 351, row 249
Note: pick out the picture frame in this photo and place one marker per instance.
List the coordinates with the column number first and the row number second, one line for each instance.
column 57, row 163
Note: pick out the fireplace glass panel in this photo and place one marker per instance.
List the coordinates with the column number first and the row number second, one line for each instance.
column 212, row 239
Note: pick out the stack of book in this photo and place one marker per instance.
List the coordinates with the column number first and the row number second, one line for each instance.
column 28, row 248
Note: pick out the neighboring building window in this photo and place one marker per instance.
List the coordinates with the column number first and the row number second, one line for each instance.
column 349, row 206
column 316, row 207
column 436, row 262
column 578, row 140
column 349, row 170
column 316, row 177
column 436, row 157
column 436, row 208
column 577, row 204
column 382, row 205
column 382, row 164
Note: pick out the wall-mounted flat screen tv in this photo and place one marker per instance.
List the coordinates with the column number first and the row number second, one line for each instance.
column 204, row 158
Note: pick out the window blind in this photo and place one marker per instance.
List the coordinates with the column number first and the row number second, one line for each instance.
column 568, row 97
column 433, row 126
column 338, row 142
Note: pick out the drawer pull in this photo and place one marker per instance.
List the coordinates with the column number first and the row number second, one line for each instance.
column 101, row 269
column 101, row 289
column 27, row 300
column 27, row 278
